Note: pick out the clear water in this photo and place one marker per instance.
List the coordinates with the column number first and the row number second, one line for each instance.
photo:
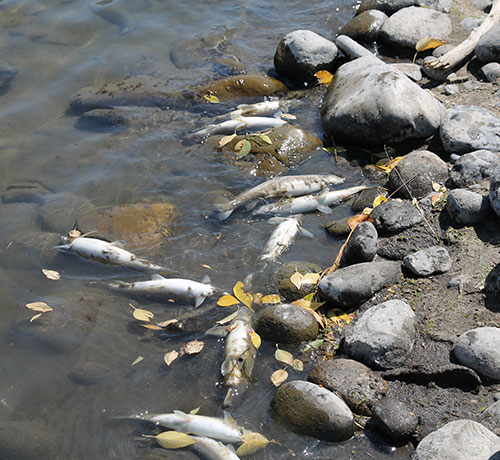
column 58, row 47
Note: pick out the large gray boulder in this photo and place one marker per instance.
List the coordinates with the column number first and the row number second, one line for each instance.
column 488, row 46
column 371, row 103
column 466, row 128
column 474, row 167
column 391, row 6
column 383, row 336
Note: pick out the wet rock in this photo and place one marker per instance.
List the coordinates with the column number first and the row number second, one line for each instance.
column 474, row 167
column 383, row 336
column 286, row 323
column 495, row 193
column 490, row 418
column 412, row 71
column 366, row 197
column 468, row 128
column 308, row 409
column 139, row 224
column 375, row 175
column 466, row 207
column 394, row 216
column 7, row 73
column 488, row 46
column 429, row 261
column 27, row 439
column 301, row 53
column 371, row 103
column 391, row 6
column 16, row 218
column 362, row 246
column 459, row 440
column 351, row 286
column 394, row 419
column 365, row 26
column 418, row 170
column 338, row 227
column 25, row 192
column 354, row 382
column 491, row 71
column 288, row 290
column 407, row 26
column 59, row 211
column 137, row 117
column 478, row 349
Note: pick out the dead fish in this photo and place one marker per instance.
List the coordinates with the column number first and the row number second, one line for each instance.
column 254, row 110
column 108, row 253
column 210, row 449
column 280, row 186
column 182, row 290
column 242, row 124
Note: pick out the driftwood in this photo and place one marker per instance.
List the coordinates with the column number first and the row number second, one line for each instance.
column 461, row 54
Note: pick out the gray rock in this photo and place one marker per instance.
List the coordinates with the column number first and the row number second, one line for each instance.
column 407, row 26
column 30, row 191
column 366, row 197
column 449, row 90
column 478, row 349
column 7, row 73
column 365, row 26
column 394, row 419
column 481, row 4
column 459, row 440
column 351, row 286
column 441, row 50
column 491, row 71
column 383, row 336
column 412, row 71
column 16, row 218
column 308, row 409
column 288, row 290
column 301, row 53
column 488, row 46
column 468, row 128
column 474, row 167
column 362, row 245
column 466, row 207
column 416, row 172
column 351, row 48
column 354, row 382
column 490, row 418
column 391, row 6
column 286, row 323
column 371, row 103
column 394, row 216
column 27, row 439
column 471, row 22
column 495, row 193
column 89, row 373
column 428, row 261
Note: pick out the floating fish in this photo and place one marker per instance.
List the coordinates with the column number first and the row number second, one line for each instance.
column 108, row 253
column 280, row 186
column 182, row 290
column 253, row 110
column 210, row 449
column 243, row 124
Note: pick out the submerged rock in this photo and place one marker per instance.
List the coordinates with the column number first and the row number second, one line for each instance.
column 27, row 439
column 428, row 261
column 394, row 419
column 7, row 73
column 30, row 191
column 466, row 207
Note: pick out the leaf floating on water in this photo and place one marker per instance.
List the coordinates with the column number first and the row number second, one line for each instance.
column 255, row 339
column 271, row 298
column 211, row 98
column 242, row 296
column 142, row 315
column 51, row 274
column 194, row 411
column 173, row 440
column 226, row 140
column 35, row 317
column 227, row 301
column 193, row 347
column 284, row 356
column 252, row 442
column 169, row 321
column 245, row 149
column 278, row 377
column 170, row 357
column 298, row 365
column 379, row 200
column 39, row 306
column 428, row 43
column 227, row 319
column 153, row 327
column 137, row 360
column 324, row 77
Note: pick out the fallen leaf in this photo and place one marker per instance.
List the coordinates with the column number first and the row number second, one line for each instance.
column 324, row 77
column 170, row 357
column 137, row 360
column 266, row 138
column 255, row 339
column 298, row 365
column 35, row 317
column 226, row 140
column 39, row 306
column 379, row 200
column 169, row 321
column 193, row 347
column 245, row 149
column 388, row 166
column 296, row 279
column 302, row 303
column 436, row 197
column 142, row 315
column 211, row 98
column 288, row 116
column 310, row 278
column 238, row 146
column 284, row 356
column 173, row 440
column 314, row 344
column 227, row 301
column 227, row 319
column 51, row 274
column 153, row 327
column 244, row 297
column 278, row 377
column 436, row 186
column 338, row 316
column 271, row 298
column 428, row 43
column 194, row 411
column 252, row 442
column 354, row 221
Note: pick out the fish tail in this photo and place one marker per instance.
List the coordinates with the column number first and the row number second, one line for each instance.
column 223, row 213
column 64, row 247
column 199, row 299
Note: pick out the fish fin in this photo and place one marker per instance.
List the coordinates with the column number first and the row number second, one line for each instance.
column 278, row 114
column 88, row 233
column 223, row 213
column 206, row 280
column 157, row 277
column 181, row 414
column 321, row 195
column 307, row 233
column 231, row 448
column 324, row 209
column 118, row 243
column 199, row 300
column 229, row 419
column 144, row 261
column 64, row 247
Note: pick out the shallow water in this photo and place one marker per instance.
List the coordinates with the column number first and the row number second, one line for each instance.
column 58, row 47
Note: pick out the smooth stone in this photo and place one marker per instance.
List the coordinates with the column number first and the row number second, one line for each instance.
column 459, row 440
column 491, row 71
column 471, row 22
column 350, row 286
column 468, row 128
column 490, row 418
column 391, row 6
column 449, row 90
column 383, row 336
column 371, row 103
column 366, row 198
column 308, row 409
column 28, row 439
column 338, row 228
column 394, row 216
column 7, row 73
column 416, row 172
column 495, row 193
column 30, row 191
column 354, row 382
column 412, row 71
column 429, row 261
column 138, row 224
column 301, row 53
column 488, row 46
column 394, row 419
column 407, row 26
column 478, row 349
column 362, row 245
column 288, row 290
column 365, row 26
column 351, row 48
column 466, row 207
column 286, row 323
column 16, row 218
column 473, row 167
column 442, row 50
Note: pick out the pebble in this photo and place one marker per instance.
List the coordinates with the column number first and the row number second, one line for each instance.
column 488, row 46
column 394, row 419
column 441, row 50
column 362, row 245
column 449, row 90
column 471, row 22
column 491, row 71
column 495, row 193
column 466, row 207
column 429, row 261
column 394, row 216
column 473, row 167
column 338, row 228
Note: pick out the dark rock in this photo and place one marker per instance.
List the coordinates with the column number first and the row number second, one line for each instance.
column 466, row 207
column 362, row 245
column 338, row 227
column 27, row 439
column 137, row 117
column 495, row 193
column 30, row 191
column 288, row 290
column 365, row 26
column 354, row 382
column 366, row 197
column 394, row 419
column 428, row 261
column 375, row 175
column 488, row 46
column 393, row 216
column 474, row 167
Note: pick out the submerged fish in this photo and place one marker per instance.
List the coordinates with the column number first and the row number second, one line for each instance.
column 252, row 110
column 280, row 186
column 240, row 124
column 210, row 449
column 239, row 356
column 108, row 253
column 182, row 290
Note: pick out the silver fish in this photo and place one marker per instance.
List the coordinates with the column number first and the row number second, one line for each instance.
column 252, row 110
column 242, row 124
column 280, row 186
column 281, row 238
column 182, row 290
column 210, row 449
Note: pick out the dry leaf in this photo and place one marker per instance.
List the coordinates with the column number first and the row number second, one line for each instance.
column 278, row 377
column 296, row 279
column 266, row 138
column 227, row 319
column 298, row 365
column 137, row 360
column 436, row 197
column 227, row 301
column 388, row 166
column 206, row 266
column 338, row 317
column 35, row 317
column 239, row 145
column 324, row 77
column 193, row 347
column 226, row 140
column 211, row 98
column 354, row 221
column 302, row 303
column 428, row 43
column 255, row 339
column 170, row 357
column 252, row 442
column 174, row 440
column 153, row 327
column 379, row 200
column 310, row 278
column 194, row 411
column 142, row 315
column 271, row 298
column 242, row 296
column 51, row 274
column 169, row 321
column 284, row 356
column 288, row 116
column 39, row 306
column 436, row 186
column 314, row 344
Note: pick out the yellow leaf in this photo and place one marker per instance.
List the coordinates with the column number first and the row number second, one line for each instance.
column 245, row 149
column 296, row 279
column 436, row 197
column 266, row 138
column 309, row 297
column 255, row 338
column 35, row 317
column 169, row 321
column 271, row 298
column 227, row 301
column 310, row 278
column 153, row 327
column 51, row 274
column 354, row 221
column 170, row 357
column 227, row 319
column 428, row 43
column 388, row 166
column 284, row 356
column 194, row 411
column 193, row 347
column 302, row 303
column 324, row 77
column 252, row 442
column 174, row 440
column 39, row 306
column 226, row 140
column 206, row 266
column 74, row 233
column 142, row 315
column 298, row 365
column 278, row 377
column 243, row 297
column 211, row 98
column 137, row 360
column 379, row 200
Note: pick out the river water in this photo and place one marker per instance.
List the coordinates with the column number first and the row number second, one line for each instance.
column 65, row 380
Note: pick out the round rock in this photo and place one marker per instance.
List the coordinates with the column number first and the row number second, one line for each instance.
column 488, row 46
column 466, row 207
column 308, row 409
column 383, row 336
column 395, row 216
column 478, row 349
column 354, row 382
column 362, row 245
column 301, row 53
column 495, row 193
column 394, row 419
column 286, row 323
column 418, row 170
column 474, row 167
column 428, row 261
column 491, row 71
column 365, row 26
